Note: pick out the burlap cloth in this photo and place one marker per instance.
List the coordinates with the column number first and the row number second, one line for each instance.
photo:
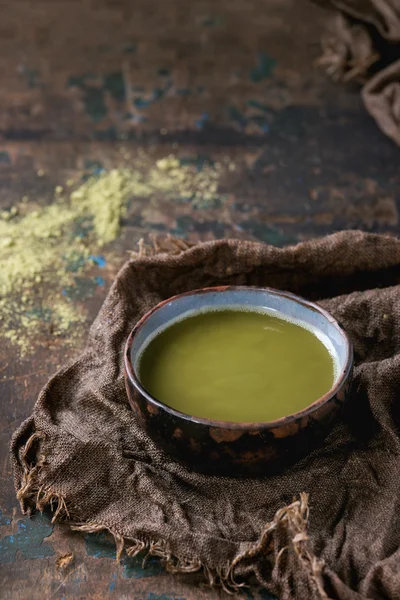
column 328, row 527
column 362, row 43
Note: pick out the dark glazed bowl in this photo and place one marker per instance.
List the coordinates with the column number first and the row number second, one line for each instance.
column 222, row 447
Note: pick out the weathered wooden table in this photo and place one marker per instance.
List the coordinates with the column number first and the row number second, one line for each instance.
column 260, row 145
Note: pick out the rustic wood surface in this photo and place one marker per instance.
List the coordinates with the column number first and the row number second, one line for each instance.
column 91, row 85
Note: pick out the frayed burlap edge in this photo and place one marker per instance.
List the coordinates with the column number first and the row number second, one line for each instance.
column 291, row 519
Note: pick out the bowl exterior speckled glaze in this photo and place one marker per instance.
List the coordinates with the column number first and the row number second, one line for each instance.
column 222, row 447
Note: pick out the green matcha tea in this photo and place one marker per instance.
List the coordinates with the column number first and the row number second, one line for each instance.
column 237, row 365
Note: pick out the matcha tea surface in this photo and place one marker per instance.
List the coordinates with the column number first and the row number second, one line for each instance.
column 236, row 365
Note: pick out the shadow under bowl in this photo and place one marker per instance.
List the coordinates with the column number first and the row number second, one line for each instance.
column 227, row 448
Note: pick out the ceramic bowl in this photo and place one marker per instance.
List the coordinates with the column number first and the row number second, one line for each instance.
column 222, row 447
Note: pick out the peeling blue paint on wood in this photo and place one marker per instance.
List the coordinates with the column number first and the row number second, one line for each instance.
column 27, row 542
column 113, row 582
column 114, row 83
column 95, row 167
column 95, row 105
column 204, row 118
column 94, row 90
column 99, row 260
column 157, row 94
column 261, row 115
column 99, row 546
column 133, row 567
column 260, row 121
column 263, row 69
column 3, row 519
column 5, row 158
column 259, row 106
column 237, row 116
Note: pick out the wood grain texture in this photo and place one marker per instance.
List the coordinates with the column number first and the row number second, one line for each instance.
column 93, row 85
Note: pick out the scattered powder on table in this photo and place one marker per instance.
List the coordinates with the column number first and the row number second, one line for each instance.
column 44, row 249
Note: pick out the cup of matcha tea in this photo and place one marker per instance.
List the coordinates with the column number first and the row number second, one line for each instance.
column 237, row 381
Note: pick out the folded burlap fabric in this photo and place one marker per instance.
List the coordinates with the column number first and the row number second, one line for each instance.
column 327, row 527
column 362, row 43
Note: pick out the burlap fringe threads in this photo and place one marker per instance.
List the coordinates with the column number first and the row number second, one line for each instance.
column 292, row 518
